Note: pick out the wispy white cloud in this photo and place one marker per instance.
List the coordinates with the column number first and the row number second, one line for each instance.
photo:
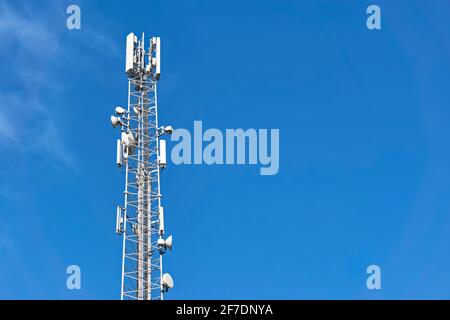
column 27, row 32
column 29, row 45
column 34, row 51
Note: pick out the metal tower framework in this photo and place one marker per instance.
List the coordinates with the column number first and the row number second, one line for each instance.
column 141, row 151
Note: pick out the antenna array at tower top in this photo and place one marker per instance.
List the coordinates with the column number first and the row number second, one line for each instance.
column 140, row 62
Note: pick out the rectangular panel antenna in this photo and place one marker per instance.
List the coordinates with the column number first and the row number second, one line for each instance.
column 119, row 220
column 119, row 156
column 162, row 153
column 129, row 62
column 161, row 220
column 158, row 58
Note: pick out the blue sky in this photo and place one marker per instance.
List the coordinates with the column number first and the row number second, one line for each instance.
column 364, row 119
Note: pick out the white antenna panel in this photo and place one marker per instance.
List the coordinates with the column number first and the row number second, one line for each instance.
column 161, row 220
column 119, row 220
column 119, row 160
column 162, row 153
column 129, row 62
column 158, row 58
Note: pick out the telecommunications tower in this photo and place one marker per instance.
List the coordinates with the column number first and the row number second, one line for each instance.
column 142, row 155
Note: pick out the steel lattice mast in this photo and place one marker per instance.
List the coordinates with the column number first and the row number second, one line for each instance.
column 142, row 153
